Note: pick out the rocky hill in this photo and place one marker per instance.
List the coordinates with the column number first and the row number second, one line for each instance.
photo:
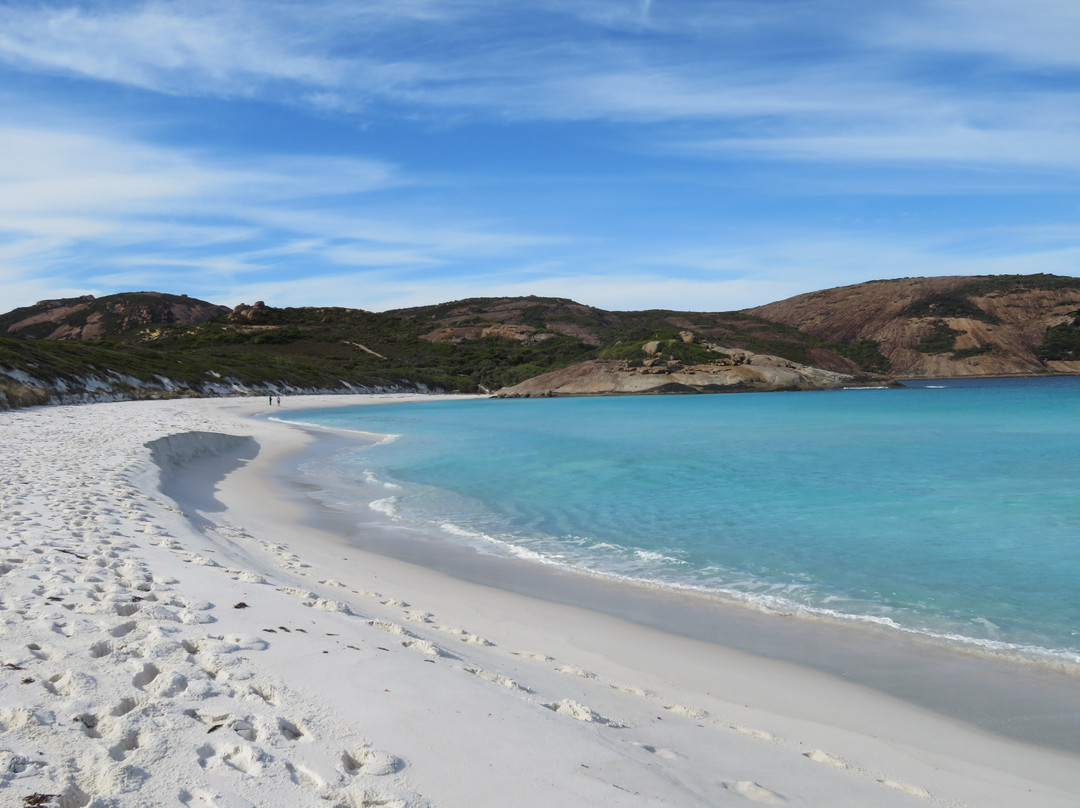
column 657, row 371
column 948, row 326
column 89, row 317
column 534, row 319
column 145, row 343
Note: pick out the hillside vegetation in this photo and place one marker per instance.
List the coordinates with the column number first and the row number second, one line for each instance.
column 949, row 326
column 150, row 344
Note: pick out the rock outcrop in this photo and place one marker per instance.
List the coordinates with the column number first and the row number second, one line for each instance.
column 741, row 371
column 454, row 335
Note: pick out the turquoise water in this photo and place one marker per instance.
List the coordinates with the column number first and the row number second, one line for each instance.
column 949, row 509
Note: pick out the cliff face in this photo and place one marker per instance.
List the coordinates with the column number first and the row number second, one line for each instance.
column 87, row 317
column 950, row 326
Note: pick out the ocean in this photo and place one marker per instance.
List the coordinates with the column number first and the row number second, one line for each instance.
column 947, row 509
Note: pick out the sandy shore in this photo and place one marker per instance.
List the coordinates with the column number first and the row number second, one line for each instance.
column 174, row 633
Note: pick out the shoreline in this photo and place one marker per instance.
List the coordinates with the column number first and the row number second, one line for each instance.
column 356, row 678
column 995, row 692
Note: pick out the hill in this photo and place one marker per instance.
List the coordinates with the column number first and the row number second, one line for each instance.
column 143, row 344
column 595, row 328
column 469, row 346
column 88, row 317
column 949, row 326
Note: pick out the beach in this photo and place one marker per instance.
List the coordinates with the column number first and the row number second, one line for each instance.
column 181, row 626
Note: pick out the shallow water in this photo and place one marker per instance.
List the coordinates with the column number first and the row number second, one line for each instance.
column 947, row 509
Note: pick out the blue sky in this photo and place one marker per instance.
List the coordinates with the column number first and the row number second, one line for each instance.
column 705, row 155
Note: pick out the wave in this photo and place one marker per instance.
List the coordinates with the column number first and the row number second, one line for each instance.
column 387, row 506
column 774, row 598
column 377, row 437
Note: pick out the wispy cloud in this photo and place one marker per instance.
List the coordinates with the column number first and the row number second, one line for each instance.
column 159, row 46
column 111, row 209
column 1041, row 33
column 958, row 145
column 277, row 147
column 731, row 61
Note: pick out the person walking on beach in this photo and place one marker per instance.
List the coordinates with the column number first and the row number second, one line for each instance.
column 271, row 400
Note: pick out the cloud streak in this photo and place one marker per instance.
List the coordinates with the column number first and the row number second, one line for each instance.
column 620, row 150
column 724, row 69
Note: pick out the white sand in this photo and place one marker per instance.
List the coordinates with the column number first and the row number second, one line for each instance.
column 131, row 678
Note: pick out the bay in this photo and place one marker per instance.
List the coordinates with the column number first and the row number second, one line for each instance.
column 946, row 509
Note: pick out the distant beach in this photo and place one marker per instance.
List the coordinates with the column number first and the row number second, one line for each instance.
column 185, row 624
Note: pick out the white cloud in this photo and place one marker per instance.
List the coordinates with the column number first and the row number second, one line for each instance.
column 1030, row 32
column 85, row 207
column 723, row 277
column 958, row 145
column 440, row 231
column 46, row 174
column 160, row 46
column 459, row 57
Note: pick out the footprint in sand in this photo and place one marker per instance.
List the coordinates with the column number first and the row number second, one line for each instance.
column 102, row 648
column 70, row 684
column 428, row 649
column 579, row 712
column 689, row 712
column 496, row 678
column 914, row 791
column 754, row 733
column 474, row 639
column 16, row 718
column 304, row 777
column 244, row 759
column 214, row 722
column 123, row 707
column 659, row 751
column 537, row 657
column 573, row 670
column 390, row 628
column 818, row 756
column 290, row 730
column 128, row 743
column 38, row 652
column 123, row 629
column 754, row 792
column 370, row 761
column 244, row 729
column 89, row 723
column 169, row 685
column 198, row 797
column 268, row 694
column 148, row 674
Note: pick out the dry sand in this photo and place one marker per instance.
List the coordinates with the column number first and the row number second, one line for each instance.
column 174, row 638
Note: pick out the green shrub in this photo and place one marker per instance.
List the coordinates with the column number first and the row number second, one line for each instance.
column 941, row 340
column 949, row 304
column 688, row 352
column 1061, row 342
column 967, row 353
column 866, row 354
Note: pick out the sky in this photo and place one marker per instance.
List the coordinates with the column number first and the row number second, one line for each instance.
column 705, row 155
